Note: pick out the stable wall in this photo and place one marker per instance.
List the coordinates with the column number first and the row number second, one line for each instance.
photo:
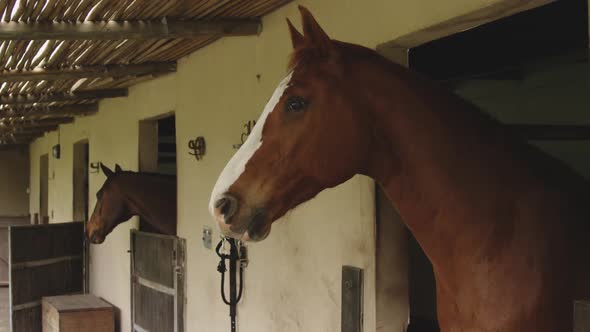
column 293, row 280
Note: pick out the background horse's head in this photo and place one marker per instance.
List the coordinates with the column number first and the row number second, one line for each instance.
column 311, row 135
column 110, row 210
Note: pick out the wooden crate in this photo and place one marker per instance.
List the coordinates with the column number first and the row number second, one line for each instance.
column 77, row 313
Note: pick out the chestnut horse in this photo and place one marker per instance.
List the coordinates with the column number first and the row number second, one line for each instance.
column 126, row 194
column 504, row 225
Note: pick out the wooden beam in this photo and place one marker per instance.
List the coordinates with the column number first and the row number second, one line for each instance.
column 62, row 96
column 50, row 122
column 49, row 111
column 11, row 141
column 26, row 130
column 22, row 133
column 9, row 125
column 493, row 12
column 398, row 49
column 111, row 30
column 14, row 145
column 20, row 137
column 154, row 68
column 551, row 132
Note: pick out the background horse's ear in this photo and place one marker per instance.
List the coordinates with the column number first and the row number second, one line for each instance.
column 313, row 31
column 107, row 171
column 296, row 37
column 118, row 168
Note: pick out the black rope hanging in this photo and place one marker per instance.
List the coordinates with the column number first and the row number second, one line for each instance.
column 236, row 255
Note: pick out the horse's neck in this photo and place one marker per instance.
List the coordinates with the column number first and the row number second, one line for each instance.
column 428, row 151
column 154, row 200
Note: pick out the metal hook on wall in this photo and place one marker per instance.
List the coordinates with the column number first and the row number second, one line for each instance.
column 197, row 147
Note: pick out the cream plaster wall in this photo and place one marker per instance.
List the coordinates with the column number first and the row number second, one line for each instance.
column 293, row 280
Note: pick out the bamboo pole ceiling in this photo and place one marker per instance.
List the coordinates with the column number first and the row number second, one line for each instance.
column 59, row 57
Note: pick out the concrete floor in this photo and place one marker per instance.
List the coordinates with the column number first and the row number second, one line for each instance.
column 4, row 309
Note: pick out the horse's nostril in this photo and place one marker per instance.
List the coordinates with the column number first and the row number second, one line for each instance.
column 227, row 206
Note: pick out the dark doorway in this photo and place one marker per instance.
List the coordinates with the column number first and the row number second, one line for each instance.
column 157, row 150
column 167, row 145
column 499, row 49
column 80, row 182
column 502, row 52
column 44, row 189
column 80, row 199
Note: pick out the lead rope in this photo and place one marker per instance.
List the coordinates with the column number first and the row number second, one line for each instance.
column 233, row 257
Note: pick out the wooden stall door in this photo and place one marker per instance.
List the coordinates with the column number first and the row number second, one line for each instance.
column 44, row 260
column 157, row 282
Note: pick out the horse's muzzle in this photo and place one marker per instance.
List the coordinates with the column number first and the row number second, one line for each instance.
column 226, row 207
column 240, row 222
column 95, row 238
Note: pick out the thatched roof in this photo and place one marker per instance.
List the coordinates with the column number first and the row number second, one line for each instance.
column 58, row 57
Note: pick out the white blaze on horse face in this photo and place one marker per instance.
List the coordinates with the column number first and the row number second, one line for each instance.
column 235, row 167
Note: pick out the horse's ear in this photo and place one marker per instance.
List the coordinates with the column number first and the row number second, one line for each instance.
column 313, row 31
column 296, row 37
column 118, row 168
column 107, row 171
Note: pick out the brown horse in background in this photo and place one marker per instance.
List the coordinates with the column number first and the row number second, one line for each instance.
column 126, row 194
column 505, row 225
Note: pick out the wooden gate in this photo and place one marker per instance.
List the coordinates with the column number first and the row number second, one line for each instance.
column 44, row 260
column 157, row 282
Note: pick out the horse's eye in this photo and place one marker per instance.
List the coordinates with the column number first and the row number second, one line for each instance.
column 295, row 104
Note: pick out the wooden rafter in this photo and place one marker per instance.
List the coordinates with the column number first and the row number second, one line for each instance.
column 12, row 124
column 26, row 131
column 16, row 130
column 49, row 111
column 62, row 96
column 51, row 122
column 20, row 136
column 18, row 139
column 115, row 30
column 154, row 68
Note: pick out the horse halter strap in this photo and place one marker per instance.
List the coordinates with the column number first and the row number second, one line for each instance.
column 236, row 253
